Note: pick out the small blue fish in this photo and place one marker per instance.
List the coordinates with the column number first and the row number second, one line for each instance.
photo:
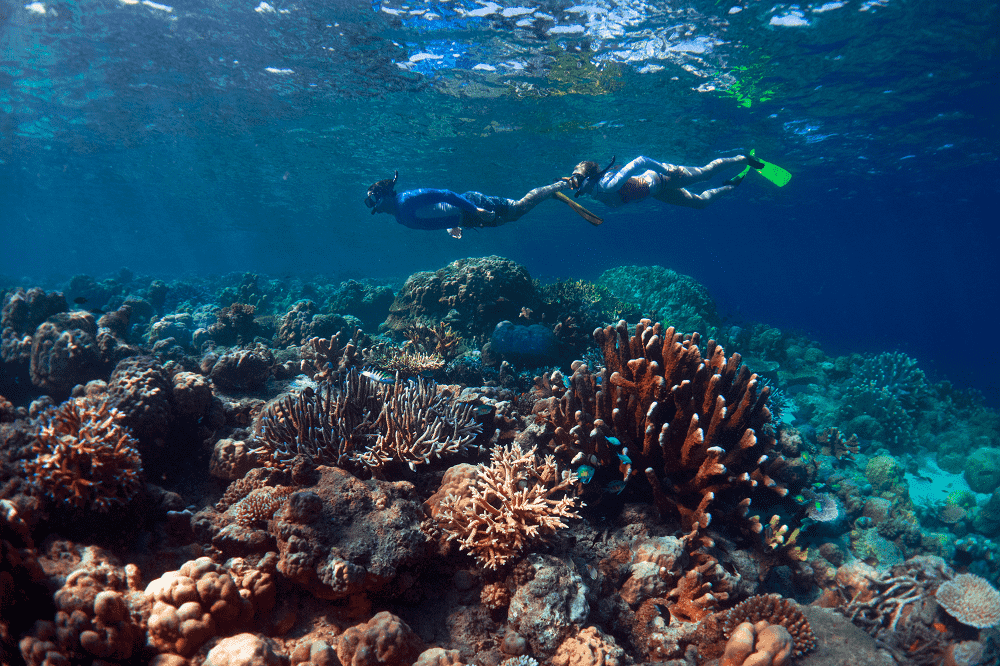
column 615, row 487
column 585, row 473
column 625, row 459
column 613, row 441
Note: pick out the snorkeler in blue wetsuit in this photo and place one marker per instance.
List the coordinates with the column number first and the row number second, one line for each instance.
column 443, row 209
column 643, row 178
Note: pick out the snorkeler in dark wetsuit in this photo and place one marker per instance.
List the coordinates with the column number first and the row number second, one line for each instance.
column 443, row 209
column 644, row 177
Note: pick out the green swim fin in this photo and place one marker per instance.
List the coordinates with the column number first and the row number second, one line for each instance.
column 773, row 172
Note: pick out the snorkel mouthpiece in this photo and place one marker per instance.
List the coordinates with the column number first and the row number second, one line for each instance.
column 380, row 190
column 590, row 181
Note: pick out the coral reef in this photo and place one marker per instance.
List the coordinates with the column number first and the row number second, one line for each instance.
column 642, row 503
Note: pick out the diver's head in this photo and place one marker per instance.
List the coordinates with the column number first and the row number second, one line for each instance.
column 380, row 191
column 587, row 174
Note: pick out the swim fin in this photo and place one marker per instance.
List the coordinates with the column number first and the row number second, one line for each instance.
column 580, row 210
column 772, row 172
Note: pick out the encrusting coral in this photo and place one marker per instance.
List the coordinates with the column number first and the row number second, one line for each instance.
column 364, row 422
column 495, row 511
column 84, row 456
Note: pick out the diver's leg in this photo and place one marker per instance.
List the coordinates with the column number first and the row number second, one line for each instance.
column 682, row 176
column 516, row 209
column 682, row 197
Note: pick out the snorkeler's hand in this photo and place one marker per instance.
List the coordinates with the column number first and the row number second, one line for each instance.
column 574, row 181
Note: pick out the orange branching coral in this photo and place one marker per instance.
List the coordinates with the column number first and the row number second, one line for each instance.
column 775, row 610
column 84, row 456
column 495, row 512
column 971, row 600
column 696, row 424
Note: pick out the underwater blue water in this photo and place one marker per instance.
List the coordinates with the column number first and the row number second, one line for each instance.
column 199, row 138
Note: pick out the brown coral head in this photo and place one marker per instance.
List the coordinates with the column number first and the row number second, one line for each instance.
column 774, row 609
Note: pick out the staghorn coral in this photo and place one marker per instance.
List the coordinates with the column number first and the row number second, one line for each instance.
column 971, row 600
column 84, row 456
column 366, row 423
column 495, row 512
column 775, row 610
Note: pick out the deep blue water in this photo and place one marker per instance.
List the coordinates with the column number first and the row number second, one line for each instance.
column 198, row 138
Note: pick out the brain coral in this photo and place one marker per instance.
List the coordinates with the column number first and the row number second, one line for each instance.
column 84, row 456
column 971, row 600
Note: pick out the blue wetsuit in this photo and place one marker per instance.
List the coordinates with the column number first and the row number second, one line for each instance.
column 443, row 209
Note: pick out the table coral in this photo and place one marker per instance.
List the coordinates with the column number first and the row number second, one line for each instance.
column 502, row 507
column 84, row 456
column 971, row 600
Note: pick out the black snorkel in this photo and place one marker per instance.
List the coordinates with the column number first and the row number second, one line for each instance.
column 380, row 190
column 588, row 183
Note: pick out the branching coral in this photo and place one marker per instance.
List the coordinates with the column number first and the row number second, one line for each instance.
column 323, row 357
column 408, row 362
column 494, row 512
column 84, row 456
column 367, row 423
column 697, row 426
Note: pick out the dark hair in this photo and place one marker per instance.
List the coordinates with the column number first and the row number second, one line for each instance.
column 382, row 187
column 587, row 168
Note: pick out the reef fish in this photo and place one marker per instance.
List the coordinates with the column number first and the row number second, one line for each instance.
column 585, row 473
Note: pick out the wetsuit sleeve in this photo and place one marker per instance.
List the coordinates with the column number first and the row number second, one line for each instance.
column 641, row 164
column 414, row 205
